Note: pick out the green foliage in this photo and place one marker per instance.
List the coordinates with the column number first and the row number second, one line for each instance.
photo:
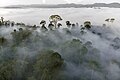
column 7, row 70
column 74, row 51
column 93, row 64
column 21, row 69
column 48, row 64
column 66, row 30
column 73, row 43
column 14, row 48
column 21, row 36
column 2, row 41
column 31, row 78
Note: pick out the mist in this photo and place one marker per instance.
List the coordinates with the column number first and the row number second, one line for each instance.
column 60, row 54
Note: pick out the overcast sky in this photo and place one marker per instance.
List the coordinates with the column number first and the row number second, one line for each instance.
column 15, row 2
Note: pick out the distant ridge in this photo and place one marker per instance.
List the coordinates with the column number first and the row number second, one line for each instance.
column 111, row 5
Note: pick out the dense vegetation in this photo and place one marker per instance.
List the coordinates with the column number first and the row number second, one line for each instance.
column 60, row 54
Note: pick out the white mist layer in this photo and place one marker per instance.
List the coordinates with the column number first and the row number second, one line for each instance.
column 104, row 44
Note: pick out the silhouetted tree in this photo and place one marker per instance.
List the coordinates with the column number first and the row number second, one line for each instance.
column 68, row 24
column 87, row 24
column 51, row 26
column 59, row 25
column 54, row 19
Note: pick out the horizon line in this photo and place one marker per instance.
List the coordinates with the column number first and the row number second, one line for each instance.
column 58, row 4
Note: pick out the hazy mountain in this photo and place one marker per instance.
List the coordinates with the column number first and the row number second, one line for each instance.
column 111, row 5
column 114, row 5
column 98, row 1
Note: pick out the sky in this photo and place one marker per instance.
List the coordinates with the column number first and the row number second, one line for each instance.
column 15, row 2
